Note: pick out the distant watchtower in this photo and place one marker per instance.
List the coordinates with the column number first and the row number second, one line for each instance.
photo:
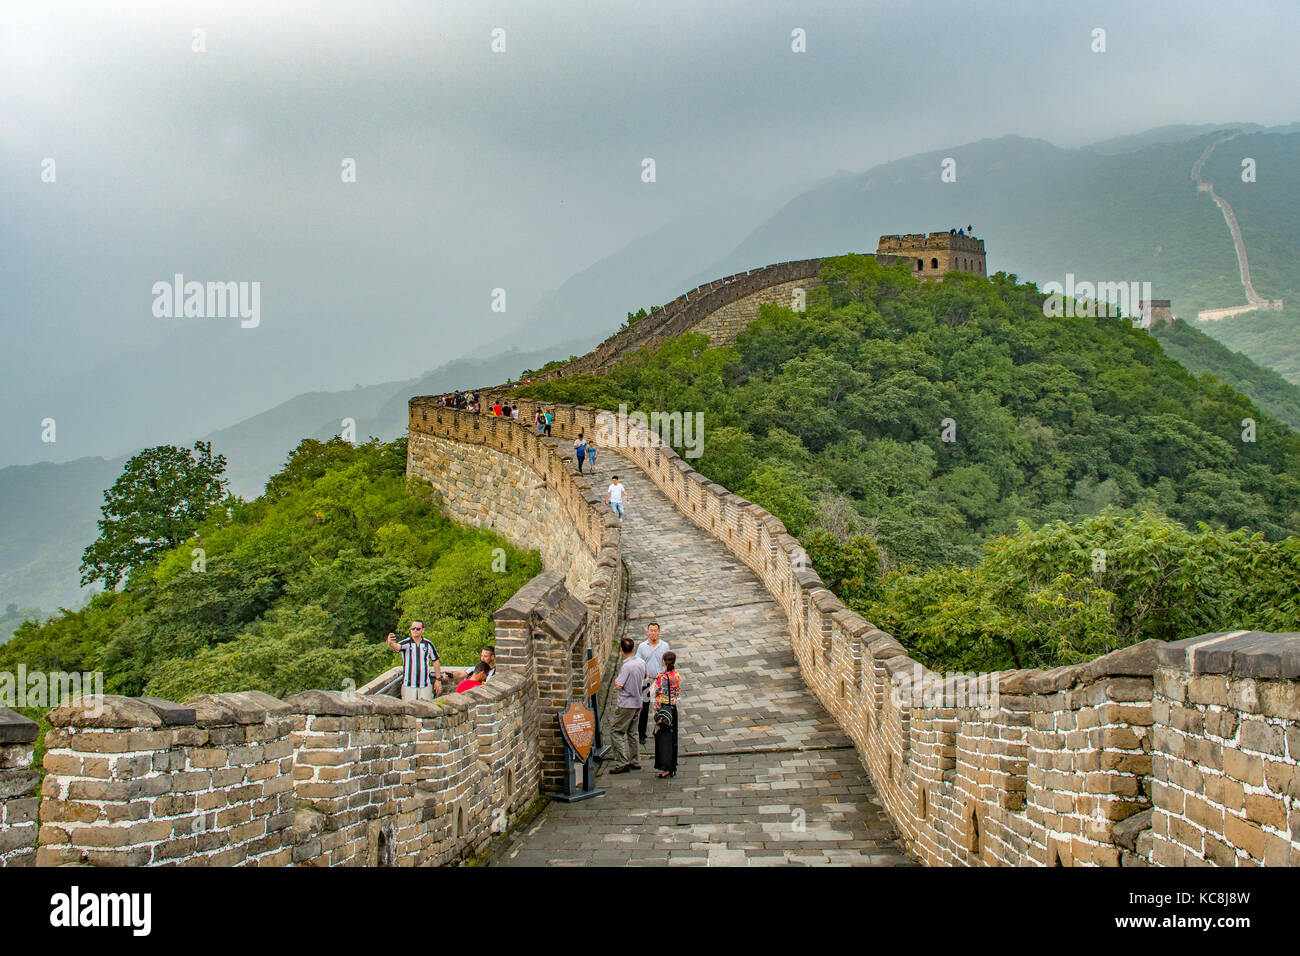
column 933, row 255
column 1152, row 312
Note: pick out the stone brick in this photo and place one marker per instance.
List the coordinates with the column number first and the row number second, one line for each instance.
column 1260, row 737
column 1183, row 833
column 1221, row 723
column 1282, row 778
column 1244, row 767
column 1244, row 835
column 1266, row 809
column 1279, row 699
column 1208, row 689
column 1204, row 815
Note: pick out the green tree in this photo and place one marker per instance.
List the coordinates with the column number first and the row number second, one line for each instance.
column 156, row 504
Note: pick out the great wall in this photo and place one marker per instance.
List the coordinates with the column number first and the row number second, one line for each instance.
column 1158, row 754
column 1254, row 301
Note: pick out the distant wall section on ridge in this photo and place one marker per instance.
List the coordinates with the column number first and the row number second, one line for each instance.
column 721, row 308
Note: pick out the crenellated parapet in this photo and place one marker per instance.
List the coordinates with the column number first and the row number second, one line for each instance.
column 1157, row 753
column 323, row 778
column 721, row 309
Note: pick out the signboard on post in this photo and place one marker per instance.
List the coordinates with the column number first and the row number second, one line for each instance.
column 578, row 724
column 593, row 677
column 578, row 727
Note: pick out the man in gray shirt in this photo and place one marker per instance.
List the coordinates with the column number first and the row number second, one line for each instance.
column 651, row 652
column 628, row 684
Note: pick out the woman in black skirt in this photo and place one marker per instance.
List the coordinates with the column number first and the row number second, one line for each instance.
column 667, row 688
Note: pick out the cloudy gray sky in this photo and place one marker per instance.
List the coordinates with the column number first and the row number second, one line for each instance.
column 478, row 170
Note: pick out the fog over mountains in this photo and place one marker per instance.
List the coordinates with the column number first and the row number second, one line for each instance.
column 128, row 157
column 1152, row 226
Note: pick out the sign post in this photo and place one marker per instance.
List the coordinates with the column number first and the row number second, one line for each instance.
column 593, row 688
column 578, row 727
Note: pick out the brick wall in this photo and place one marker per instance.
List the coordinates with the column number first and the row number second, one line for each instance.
column 1226, row 749
column 495, row 473
column 145, row 781
column 723, row 325
column 17, row 789
column 320, row 779
column 542, row 633
column 693, row 309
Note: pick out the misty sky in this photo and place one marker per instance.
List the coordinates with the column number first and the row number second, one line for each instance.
column 479, row 170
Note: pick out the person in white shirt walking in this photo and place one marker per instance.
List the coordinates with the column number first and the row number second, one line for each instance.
column 615, row 496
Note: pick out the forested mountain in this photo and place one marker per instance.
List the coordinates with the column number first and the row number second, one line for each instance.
column 903, row 428
column 1270, row 339
column 296, row 590
column 1044, row 212
column 48, row 511
column 1200, row 354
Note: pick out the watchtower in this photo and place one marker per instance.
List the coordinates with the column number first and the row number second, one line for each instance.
column 1153, row 312
column 932, row 255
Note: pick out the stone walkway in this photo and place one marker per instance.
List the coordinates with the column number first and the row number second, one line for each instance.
column 764, row 777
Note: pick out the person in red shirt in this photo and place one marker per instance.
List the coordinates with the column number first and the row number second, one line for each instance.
column 475, row 679
column 496, row 409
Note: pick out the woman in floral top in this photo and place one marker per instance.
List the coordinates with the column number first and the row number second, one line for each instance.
column 667, row 688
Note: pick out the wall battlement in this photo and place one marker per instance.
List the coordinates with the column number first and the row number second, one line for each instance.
column 1156, row 754
column 741, row 292
column 320, row 779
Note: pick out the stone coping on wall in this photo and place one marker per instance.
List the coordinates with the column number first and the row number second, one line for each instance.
column 15, row 728
column 112, row 712
column 545, row 603
column 1259, row 654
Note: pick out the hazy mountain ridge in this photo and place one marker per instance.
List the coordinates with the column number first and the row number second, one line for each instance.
column 50, row 510
column 1121, row 210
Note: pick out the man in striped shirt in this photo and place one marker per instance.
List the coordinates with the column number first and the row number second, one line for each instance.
column 419, row 664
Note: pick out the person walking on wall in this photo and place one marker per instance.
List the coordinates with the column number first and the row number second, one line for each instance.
column 540, row 421
column 591, row 456
column 651, row 652
column 615, row 496
column 628, row 684
column 421, row 669
column 668, row 689
column 580, row 450
column 550, row 420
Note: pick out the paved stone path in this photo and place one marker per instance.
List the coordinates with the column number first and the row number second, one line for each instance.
column 764, row 777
